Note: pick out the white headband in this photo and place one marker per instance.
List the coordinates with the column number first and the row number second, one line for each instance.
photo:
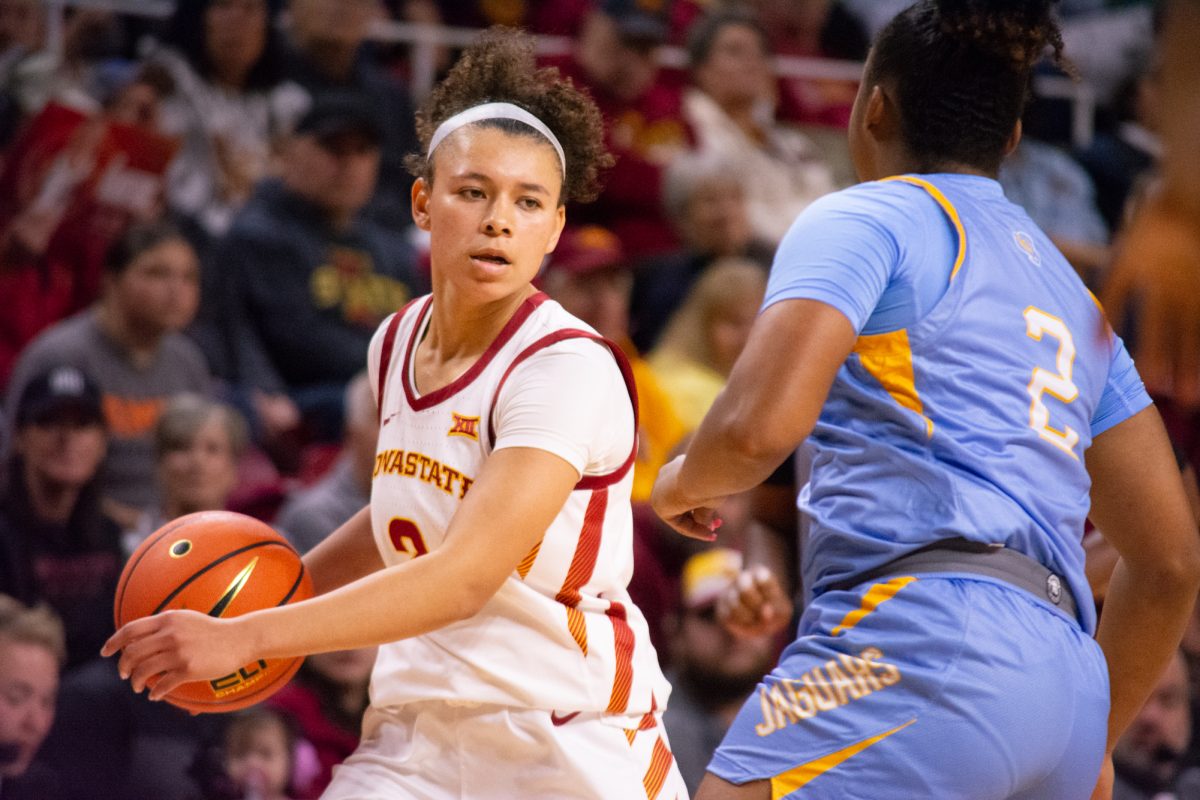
column 495, row 111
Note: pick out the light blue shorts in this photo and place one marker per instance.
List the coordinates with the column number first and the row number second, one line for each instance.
column 937, row 687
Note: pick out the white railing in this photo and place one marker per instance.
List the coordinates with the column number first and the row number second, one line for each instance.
column 425, row 41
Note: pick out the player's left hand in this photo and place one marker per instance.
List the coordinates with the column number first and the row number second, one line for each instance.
column 1104, row 786
column 165, row 650
column 696, row 519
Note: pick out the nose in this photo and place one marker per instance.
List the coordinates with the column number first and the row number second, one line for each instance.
column 497, row 222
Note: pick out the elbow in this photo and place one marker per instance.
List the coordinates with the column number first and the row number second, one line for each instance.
column 468, row 600
column 752, row 439
column 1177, row 569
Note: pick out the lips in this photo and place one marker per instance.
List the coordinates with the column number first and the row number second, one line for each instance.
column 492, row 257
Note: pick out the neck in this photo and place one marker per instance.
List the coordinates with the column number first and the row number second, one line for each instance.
column 141, row 345
column 459, row 329
column 50, row 502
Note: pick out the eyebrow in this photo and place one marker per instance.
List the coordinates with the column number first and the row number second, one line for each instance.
column 478, row 176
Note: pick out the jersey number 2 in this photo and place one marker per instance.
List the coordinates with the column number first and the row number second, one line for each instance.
column 406, row 537
column 1056, row 384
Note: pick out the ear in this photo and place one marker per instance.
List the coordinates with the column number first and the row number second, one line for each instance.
column 559, row 222
column 1014, row 139
column 883, row 117
column 420, row 204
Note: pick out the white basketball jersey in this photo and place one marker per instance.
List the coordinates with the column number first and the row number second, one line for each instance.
column 561, row 633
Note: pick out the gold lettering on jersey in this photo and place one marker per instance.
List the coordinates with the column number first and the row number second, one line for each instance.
column 838, row 682
column 409, row 464
column 464, row 426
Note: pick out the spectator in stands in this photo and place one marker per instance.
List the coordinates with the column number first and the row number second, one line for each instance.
column 227, row 105
column 130, row 344
column 327, row 53
column 816, row 29
column 712, row 670
column 303, row 278
column 313, row 513
column 1149, row 756
column 731, row 109
column 72, row 184
column 32, row 651
column 253, row 758
column 326, row 702
column 56, row 546
column 1130, row 146
column 198, row 444
column 704, row 198
column 615, row 59
column 22, row 32
column 588, row 274
column 706, row 334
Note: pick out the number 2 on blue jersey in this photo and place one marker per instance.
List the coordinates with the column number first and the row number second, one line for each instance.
column 1058, row 385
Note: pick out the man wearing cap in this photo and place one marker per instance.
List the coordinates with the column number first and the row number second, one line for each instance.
column 327, row 52
column 302, row 279
column 56, row 546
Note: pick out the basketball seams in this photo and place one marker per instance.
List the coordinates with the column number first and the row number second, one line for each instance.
column 299, row 580
column 213, row 565
column 142, row 551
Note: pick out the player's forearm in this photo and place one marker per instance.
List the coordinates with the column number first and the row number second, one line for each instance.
column 388, row 605
column 730, row 453
column 1145, row 613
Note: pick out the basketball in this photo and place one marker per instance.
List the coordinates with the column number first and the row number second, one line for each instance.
column 222, row 564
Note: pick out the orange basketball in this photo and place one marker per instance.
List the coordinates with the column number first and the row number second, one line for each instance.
column 223, row 564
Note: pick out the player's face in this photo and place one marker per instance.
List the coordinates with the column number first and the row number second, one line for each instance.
column 28, row 688
column 492, row 211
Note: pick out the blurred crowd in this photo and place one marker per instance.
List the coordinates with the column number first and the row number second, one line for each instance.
column 204, row 218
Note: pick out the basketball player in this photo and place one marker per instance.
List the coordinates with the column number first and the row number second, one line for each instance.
column 492, row 561
column 963, row 407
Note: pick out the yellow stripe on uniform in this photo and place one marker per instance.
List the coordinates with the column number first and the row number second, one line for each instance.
column 888, row 357
column 877, row 595
column 793, row 779
column 950, row 210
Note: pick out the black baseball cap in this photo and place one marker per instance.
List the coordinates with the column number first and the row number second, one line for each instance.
column 639, row 21
column 58, row 392
column 333, row 114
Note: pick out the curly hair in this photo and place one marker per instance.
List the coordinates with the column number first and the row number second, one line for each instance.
column 961, row 70
column 499, row 67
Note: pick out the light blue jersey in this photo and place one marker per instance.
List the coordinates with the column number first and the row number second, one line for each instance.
column 982, row 372
column 973, row 415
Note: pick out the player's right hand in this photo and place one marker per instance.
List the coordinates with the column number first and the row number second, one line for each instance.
column 692, row 518
column 755, row 605
column 162, row 651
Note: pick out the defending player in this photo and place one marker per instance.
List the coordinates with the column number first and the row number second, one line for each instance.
column 963, row 407
column 492, row 562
